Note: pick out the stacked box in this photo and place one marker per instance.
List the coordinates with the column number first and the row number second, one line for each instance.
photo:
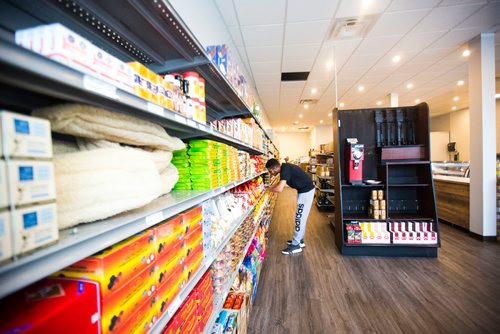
column 412, row 232
column 205, row 160
column 180, row 160
column 225, row 172
column 234, row 169
column 28, row 174
column 125, row 272
column 374, row 233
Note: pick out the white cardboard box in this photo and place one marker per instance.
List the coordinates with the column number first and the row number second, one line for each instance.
column 5, row 236
column 31, row 181
column 4, row 199
column 25, row 136
column 35, row 226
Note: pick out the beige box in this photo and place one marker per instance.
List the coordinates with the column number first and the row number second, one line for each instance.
column 5, row 236
column 25, row 136
column 31, row 181
column 34, row 227
column 4, row 199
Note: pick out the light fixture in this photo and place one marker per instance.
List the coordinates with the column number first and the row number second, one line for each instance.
column 330, row 114
column 453, row 108
column 417, row 100
column 329, row 64
column 314, row 91
column 409, row 85
column 300, row 115
column 296, row 122
column 379, row 103
column 293, row 127
column 396, row 59
column 361, row 88
column 497, row 96
column 341, row 104
column 466, row 53
column 367, row 3
column 306, row 106
column 321, row 121
column 456, row 98
column 460, row 82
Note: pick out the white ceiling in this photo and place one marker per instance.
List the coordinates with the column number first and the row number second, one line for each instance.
column 293, row 36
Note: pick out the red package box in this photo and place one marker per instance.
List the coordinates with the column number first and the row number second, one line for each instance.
column 169, row 290
column 53, row 305
column 164, row 268
column 192, row 218
column 167, row 234
column 173, row 327
column 143, row 319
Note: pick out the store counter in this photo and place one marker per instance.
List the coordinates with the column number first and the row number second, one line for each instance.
column 452, row 199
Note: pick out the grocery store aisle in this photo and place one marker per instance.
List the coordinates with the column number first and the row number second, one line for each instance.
column 320, row 291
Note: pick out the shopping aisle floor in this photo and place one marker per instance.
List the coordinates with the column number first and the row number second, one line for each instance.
column 320, row 291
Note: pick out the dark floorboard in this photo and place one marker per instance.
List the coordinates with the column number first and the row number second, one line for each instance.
column 320, row 291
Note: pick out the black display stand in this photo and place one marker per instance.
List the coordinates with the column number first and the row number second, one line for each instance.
column 405, row 172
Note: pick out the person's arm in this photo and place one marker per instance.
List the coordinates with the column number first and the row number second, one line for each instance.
column 277, row 188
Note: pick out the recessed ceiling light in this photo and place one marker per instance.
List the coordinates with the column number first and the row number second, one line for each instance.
column 300, row 115
column 296, row 122
column 453, row 108
column 361, row 88
column 409, row 85
column 330, row 114
column 314, row 91
column 466, row 53
column 321, row 121
column 329, row 64
column 306, row 106
column 417, row 100
column 379, row 103
column 396, row 59
column 341, row 104
column 497, row 96
column 293, row 127
column 367, row 3
column 460, row 82
column 456, row 98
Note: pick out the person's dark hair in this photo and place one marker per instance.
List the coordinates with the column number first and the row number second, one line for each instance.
column 271, row 163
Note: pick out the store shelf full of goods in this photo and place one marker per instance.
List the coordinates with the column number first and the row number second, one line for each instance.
column 154, row 35
column 85, row 240
column 163, row 321
column 218, row 303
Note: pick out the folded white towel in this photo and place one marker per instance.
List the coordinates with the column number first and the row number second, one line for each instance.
column 96, row 123
column 97, row 184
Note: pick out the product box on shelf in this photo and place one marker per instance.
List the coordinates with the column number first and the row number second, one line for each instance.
column 222, row 58
column 168, row 236
column 374, row 233
column 144, row 318
column 192, row 219
column 140, row 80
column 5, row 236
column 4, row 200
column 31, row 181
column 230, row 127
column 237, row 125
column 34, row 227
column 124, row 302
column 53, row 305
column 221, row 125
column 25, row 136
column 116, row 265
column 165, row 268
column 167, row 292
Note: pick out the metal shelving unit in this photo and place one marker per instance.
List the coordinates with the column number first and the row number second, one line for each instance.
column 84, row 240
column 177, row 302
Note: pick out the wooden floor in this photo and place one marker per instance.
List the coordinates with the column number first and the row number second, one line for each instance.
column 320, row 291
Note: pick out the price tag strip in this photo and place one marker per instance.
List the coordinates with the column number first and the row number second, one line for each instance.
column 100, row 87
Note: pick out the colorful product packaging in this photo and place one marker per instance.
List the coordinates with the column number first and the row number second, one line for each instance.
column 31, row 181
column 140, row 80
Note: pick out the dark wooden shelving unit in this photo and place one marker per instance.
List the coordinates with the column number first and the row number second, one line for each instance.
column 405, row 173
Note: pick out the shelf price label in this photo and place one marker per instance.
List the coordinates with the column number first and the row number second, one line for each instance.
column 155, row 109
column 154, row 218
column 191, row 123
column 180, row 119
column 100, row 87
column 175, row 305
column 202, row 127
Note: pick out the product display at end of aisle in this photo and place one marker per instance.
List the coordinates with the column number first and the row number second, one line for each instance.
column 28, row 213
column 400, row 232
column 53, row 305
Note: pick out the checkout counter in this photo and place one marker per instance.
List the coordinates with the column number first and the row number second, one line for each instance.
column 451, row 186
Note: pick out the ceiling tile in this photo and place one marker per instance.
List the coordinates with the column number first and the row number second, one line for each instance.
column 321, row 73
column 306, row 32
column 460, row 2
column 263, row 35
column 361, row 7
column 300, row 10
column 397, row 5
column 488, row 16
column 400, row 22
column 236, row 35
column 303, row 52
column 227, row 10
column 432, row 55
column 296, row 65
column 377, row 44
column 456, row 38
column 417, row 42
column 267, row 77
column 266, row 67
column 445, row 18
column 264, row 54
column 366, row 60
column 260, row 11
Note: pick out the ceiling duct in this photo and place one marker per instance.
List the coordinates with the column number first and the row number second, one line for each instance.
column 304, row 128
column 352, row 27
column 308, row 101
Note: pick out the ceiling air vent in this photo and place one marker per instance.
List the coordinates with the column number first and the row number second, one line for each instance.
column 352, row 27
column 294, row 76
column 309, row 101
column 304, row 128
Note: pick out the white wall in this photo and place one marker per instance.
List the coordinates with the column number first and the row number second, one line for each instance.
column 293, row 144
column 322, row 135
column 460, row 133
